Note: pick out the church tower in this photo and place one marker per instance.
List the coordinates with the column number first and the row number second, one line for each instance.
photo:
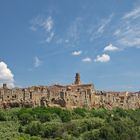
column 77, row 79
column 4, row 86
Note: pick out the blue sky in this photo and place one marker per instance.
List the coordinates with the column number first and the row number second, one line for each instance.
column 48, row 41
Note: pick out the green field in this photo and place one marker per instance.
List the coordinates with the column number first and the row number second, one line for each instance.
column 60, row 124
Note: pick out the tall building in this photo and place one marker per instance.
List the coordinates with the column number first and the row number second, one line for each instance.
column 77, row 79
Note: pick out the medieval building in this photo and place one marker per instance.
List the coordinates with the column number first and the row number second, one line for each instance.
column 67, row 96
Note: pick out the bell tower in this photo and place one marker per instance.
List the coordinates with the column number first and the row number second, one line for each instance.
column 77, row 79
column 4, row 86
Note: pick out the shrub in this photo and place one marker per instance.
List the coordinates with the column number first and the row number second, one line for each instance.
column 84, row 125
column 51, row 129
column 91, row 135
column 25, row 118
column 80, row 111
column 3, row 116
column 65, row 115
column 44, row 117
column 101, row 112
column 34, row 129
column 107, row 133
column 121, row 112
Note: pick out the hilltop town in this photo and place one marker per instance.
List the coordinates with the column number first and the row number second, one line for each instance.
column 67, row 96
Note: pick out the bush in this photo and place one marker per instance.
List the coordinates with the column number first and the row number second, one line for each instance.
column 34, row 129
column 25, row 118
column 107, row 133
column 27, row 137
column 84, row 125
column 121, row 112
column 65, row 115
column 51, row 129
column 80, row 111
column 91, row 135
column 44, row 117
column 101, row 112
column 3, row 116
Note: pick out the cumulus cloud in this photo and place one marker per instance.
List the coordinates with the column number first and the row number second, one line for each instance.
column 37, row 62
column 102, row 58
column 6, row 75
column 110, row 48
column 76, row 53
column 87, row 59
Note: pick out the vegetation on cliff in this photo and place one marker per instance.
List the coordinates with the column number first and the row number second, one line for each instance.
column 60, row 124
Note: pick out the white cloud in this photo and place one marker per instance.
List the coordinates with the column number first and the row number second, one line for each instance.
column 110, row 48
column 76, row 53
column 6, row 75
column 42, row 22
column 49, row 39
column 117, row 32
column 97, row 31
column 104, row 23
column 128, row 33
column 74, row 32
column 87, row 59
column 129, row 36
column 47, row 24
column 37, row 62
column 102, row 58
column 44, row 25
column 135, row 13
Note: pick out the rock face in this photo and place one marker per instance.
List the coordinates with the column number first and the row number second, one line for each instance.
column 69, row 96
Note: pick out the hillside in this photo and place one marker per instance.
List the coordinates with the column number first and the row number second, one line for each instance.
column 78, row 124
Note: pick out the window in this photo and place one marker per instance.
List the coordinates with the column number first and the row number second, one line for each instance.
column 13, row 96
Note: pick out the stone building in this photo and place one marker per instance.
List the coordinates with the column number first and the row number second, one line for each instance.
column 67, row 96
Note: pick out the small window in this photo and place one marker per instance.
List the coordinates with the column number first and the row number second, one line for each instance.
column 61, row 94
column 78, row 89
column 14, row 96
